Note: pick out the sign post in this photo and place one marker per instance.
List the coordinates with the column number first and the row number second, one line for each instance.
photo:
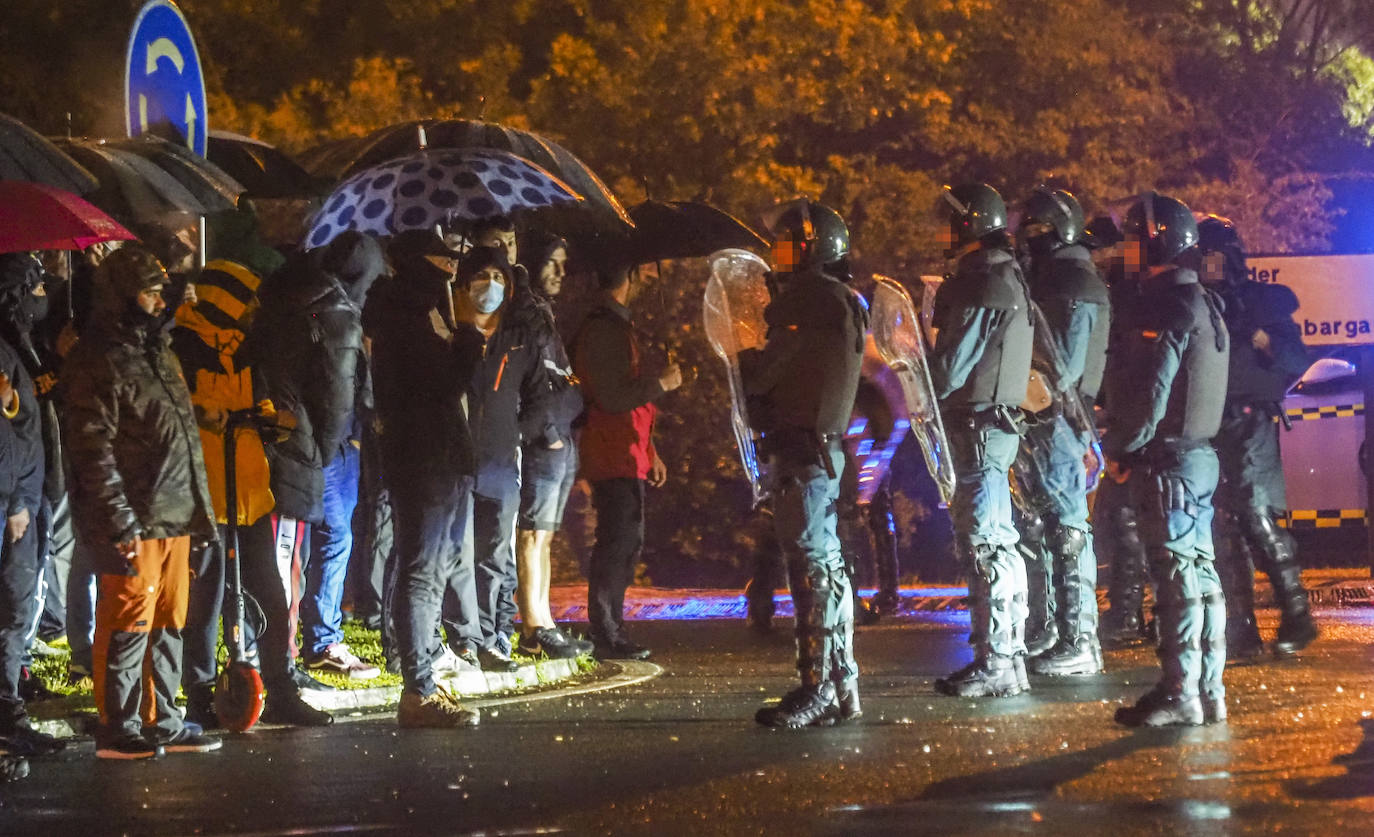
column 164, row 88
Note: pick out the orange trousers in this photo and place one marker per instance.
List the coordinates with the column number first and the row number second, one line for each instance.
column 137, row 649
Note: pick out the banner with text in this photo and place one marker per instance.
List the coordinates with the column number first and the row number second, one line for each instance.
column 1335, row 295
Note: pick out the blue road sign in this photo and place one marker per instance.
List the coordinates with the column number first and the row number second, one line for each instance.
column 164, row 89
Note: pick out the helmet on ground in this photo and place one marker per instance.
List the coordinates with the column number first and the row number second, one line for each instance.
column 1166, row 226
column 817, row 234
column 973, row 210
column 1052, row 212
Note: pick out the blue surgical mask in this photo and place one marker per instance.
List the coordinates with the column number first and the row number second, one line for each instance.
column 486, row 295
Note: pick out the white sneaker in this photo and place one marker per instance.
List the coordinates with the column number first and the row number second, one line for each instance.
column 450, row 664
column 338, row 658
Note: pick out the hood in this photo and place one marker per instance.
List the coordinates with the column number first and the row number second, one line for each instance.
column 356, row 260
column 234, row 235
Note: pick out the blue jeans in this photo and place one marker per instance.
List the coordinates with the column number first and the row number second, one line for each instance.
column 81, row 590
column 331, row 544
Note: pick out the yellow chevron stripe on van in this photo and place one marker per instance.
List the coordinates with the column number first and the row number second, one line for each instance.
column 1322, row 518
column 1328, row 411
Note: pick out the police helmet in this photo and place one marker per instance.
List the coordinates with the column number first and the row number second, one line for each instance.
column 1165, row 224
column 817, row 230
column 1218, row 235
column 973, row 210
column 1052, row 211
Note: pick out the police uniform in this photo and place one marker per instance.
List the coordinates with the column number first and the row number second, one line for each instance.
column 1166, row 397
column 1252, row 493
column 979, row 367
column 1066, row 286
column 802, row 385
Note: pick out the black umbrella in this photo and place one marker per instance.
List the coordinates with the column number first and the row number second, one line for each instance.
column 207, row 182
column 264, row 170
column 346, row 157
column 27, row 155
column 685, row 230
column 134, row 190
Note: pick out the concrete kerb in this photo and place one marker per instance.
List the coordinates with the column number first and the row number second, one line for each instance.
column 372, row 702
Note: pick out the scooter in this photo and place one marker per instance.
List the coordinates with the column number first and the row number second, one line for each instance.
column 239, row 691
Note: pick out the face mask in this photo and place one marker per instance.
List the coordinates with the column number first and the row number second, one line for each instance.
column 486, row 295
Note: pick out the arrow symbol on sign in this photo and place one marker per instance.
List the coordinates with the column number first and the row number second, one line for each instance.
column 190, row 123
column 164, row 48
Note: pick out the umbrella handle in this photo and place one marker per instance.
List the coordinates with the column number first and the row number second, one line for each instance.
column 200, row 234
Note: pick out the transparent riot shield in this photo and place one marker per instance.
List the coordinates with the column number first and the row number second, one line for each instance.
column 1047, row 403
column 897, row 335
column 732, row 313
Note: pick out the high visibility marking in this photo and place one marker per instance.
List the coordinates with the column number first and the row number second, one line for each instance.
column 1327, row 411
column 1322, row 518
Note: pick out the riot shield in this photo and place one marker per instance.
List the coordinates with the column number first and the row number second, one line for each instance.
column 732, row 313
column 897, row 335
column 1047, row 402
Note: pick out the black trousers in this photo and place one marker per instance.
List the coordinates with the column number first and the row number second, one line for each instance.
column 205, row 604
column 619, row 505
column 19, row 568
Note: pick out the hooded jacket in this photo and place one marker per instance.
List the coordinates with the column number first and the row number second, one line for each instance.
column 422, row 364
column 137, row 469
column 305, row 350
column 20, row 313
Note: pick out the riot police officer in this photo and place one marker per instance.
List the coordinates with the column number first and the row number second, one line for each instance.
column 1167, row 385
column 802, row 385
column 1065, row 284
column 979, row 367
column 1267, row 356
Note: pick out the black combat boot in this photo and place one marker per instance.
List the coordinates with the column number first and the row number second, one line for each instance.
column 990, row 676
column 805, row 706
column 1124, row 624
column 1161, row 708
column 1077, row 652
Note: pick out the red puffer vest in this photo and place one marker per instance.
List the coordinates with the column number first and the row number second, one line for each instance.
column 615, row 445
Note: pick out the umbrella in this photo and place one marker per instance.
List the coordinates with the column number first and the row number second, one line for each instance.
column 345, row 157
column 433, row 187
column 685, row 230
column 27, row 155
column 35, row 216
column 135, row 190
column 265, row 171
column 207, row 182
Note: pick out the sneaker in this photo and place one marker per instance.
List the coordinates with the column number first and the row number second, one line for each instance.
column 438, row 710
column 79, row 677
column 21, row 739
column 192, row 739
column 340, row 659
column 43, row 649
column 620, row 649
column 807, row 706
column 1069, row 658
column 286, row 707
column 993, row 677
column 583, row 645
column 301, row 679
column 847, row 699
column 494, row 659
column 1157, row 708
column 469, row 656
column 449, row 664
column 129, row 746
column 13, row 768
column 550, row 642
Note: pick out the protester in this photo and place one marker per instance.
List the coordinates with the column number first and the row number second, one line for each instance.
column 548, row 456
column 617, row 453
column 422, row 360
column 140, row 494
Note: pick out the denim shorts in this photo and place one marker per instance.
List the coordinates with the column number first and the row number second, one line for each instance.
column 546, row 480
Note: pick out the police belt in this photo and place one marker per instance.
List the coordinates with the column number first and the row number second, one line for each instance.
column 1004, row 417
column 801, row 445
column 1174, row 444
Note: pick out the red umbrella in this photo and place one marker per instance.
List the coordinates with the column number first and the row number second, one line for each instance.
column 34, row 216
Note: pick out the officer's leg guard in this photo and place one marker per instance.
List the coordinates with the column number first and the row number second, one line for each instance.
column 1040, row 627
column 1174, row 700
column 992, row 611
column 814, row 703
column 884, row 530
column 843, row 667
column 1237, row 576
column 1125, row 622
column 1077, row 652
column 1277, row 555
column 1213, row 690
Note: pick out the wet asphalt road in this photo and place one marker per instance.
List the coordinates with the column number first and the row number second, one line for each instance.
column 681, row 755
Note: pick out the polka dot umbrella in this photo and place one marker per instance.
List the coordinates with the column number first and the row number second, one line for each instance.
column 436, row 186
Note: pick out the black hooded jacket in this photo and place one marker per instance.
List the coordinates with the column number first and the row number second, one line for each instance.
column 422, row 364
column 133, row 443
column 306, row 352
column 20, row 314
